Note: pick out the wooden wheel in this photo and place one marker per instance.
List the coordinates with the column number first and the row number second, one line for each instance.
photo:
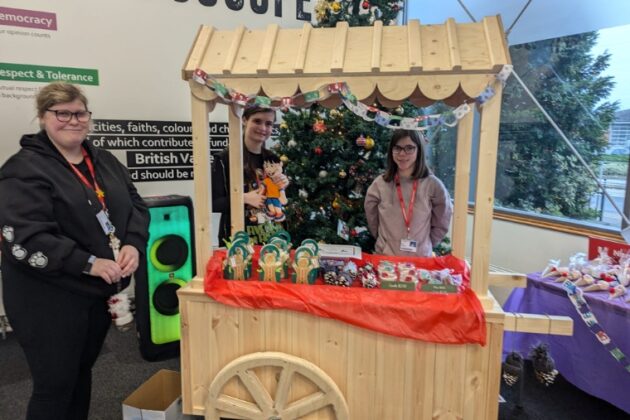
column 264, row 406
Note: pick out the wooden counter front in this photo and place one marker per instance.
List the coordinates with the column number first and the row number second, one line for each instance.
column 379, row 376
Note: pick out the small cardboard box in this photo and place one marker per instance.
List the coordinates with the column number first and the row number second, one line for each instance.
column 159, row 398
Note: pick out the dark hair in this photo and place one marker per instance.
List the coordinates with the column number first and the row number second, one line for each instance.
column 58, row 93
column 255, row 109
column 250, row 171
column 420, row 168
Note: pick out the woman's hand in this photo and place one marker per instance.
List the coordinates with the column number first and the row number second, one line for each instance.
column 128, row 260
column 281, row 180
column 106, row 269
column 254, row 198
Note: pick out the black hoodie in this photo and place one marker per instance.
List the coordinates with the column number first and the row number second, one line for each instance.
column 48, row 218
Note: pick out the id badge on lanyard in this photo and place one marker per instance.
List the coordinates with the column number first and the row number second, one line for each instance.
column 409, row 245
column 106, row 224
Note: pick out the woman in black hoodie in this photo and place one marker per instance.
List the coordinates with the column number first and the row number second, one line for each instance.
column 74, row 229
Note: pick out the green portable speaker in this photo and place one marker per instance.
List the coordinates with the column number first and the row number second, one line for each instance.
column 170, row 265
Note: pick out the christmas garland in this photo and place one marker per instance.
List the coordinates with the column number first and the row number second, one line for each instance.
column 576, row 296
column 368, row 113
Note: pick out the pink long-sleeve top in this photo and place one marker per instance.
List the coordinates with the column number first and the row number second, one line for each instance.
column 430, row 222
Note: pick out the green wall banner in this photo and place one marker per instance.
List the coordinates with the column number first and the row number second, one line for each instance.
column 45, row 74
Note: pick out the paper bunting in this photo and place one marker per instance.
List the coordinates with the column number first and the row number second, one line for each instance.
column 581, row 306
column 368, row 113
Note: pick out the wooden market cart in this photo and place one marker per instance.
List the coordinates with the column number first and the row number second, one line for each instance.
column 276, row 364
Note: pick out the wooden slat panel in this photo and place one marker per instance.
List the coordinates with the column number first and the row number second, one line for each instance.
column 305, row 334
column 448, row 396
column 358, row 52
column 484, row 199
column 333, row 353
column 377, row 40
column 390, row 371
column 233, row 50
column 361, row 373
column 453, row 44
column 284, row 52
column 394, row 59
column 339, row 47
column 473, row 52
column 475, row 382
column 264, row 62
column 414, row 45
column 462, row 183
column 434, row 45
column 300, row 58
column 495, row 347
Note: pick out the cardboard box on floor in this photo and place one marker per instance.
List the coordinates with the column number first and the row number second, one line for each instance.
column 159, row 398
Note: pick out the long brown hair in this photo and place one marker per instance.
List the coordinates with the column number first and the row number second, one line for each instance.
column 420, row 167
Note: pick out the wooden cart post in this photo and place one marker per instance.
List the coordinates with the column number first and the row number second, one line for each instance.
column 226, row 364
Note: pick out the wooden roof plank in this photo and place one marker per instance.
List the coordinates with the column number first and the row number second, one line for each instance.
column 228, row 65
column 414, row 45
column 377, row 41
column 453, row 45
column 495, row 42
column 339, row 47
column 198, row 50
column 264, row 62
column 300, row 58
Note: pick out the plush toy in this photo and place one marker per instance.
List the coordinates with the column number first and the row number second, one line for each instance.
column 276, row 198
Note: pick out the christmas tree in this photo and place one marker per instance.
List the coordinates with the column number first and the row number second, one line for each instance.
column 332, row 155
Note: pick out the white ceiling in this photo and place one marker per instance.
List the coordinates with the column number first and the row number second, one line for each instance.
column 543, row 19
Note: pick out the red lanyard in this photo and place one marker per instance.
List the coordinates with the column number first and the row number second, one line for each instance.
column 100, row 194
column 407, row 214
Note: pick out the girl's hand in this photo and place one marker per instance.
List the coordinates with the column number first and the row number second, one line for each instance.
column 128, row 260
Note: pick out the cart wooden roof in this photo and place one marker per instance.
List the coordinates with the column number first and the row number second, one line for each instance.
column 423, row 63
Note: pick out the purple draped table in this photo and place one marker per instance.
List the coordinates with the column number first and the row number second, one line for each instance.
column 580, row 358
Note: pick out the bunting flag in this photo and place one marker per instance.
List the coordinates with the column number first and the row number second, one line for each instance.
column 368, row 113
column 576, row 296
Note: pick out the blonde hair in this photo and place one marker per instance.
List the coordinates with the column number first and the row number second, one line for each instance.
column 58, row 93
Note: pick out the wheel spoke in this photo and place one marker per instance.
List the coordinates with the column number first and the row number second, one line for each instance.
column 238, row 407
column 282, row 390
column 306, row 405
column 256, row 389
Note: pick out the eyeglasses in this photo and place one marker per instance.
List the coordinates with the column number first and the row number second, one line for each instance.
column 408, row 149
column 65, row 116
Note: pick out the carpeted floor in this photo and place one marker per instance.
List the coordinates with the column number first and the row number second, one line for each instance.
column 120, row 370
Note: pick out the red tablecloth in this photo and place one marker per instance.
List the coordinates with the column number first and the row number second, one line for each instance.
column 439, row 318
